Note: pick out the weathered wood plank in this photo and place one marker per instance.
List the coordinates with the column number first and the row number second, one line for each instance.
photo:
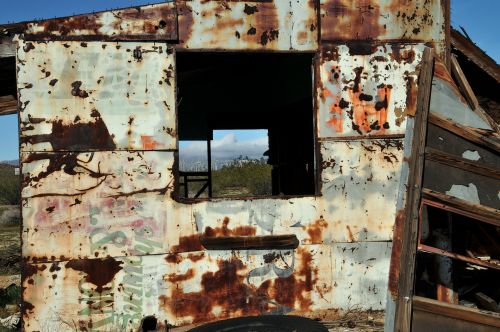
column 467, row 91
column 8, row 105
column 472, row 134
column 462, row 163
column 416, row 165
column 456, row 311
column 456, row 205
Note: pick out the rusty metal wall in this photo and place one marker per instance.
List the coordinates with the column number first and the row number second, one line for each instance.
column 367, row 89
column 151, row 22
column 104, row 241
column 401, row 20
column 248, row 25
column 84, row 96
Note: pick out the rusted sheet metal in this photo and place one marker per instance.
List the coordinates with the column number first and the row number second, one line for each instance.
column 54, row 181
column 367, row 89
column 96, row 96
column 151, row 22
column 96, row 204
column 361, row 275
column 114, row 294
column 448, row 102
column 418, row 20
column 366, row 169
column 248, row 25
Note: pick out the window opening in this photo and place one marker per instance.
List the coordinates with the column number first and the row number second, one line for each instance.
column 226, row 99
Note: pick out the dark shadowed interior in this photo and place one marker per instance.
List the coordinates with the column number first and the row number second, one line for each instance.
column 270, row 91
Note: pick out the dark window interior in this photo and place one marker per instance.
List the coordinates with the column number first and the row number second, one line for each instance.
column 455, row 280
column 273, row 91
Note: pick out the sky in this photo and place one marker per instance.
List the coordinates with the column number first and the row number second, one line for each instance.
column 478, row 17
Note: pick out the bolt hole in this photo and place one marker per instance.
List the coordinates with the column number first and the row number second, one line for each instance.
column 148, row 324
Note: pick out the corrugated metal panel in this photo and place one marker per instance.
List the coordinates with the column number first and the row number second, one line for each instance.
column 248, row 25
column 114, row 294
column 85, row 205
column 418, row 20
column 96, row 96
column 367, row 89
column 153, row 22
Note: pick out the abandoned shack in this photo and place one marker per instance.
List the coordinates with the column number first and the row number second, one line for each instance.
column 384, row 140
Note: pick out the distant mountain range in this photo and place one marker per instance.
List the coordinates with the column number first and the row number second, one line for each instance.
column 14, row 162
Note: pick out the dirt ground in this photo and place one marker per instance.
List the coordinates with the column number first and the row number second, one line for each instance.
column 10, row 271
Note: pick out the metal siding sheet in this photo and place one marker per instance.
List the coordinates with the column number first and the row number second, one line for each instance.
column 96, row 96
column 152, row 22
column 360, row 275
column 95, row 204
column 367, row 90
column 177, row 289
column 418, row 20
column 248, row 25
column 447, row 101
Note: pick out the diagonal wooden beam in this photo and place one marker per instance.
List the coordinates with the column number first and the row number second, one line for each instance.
column 403, row 313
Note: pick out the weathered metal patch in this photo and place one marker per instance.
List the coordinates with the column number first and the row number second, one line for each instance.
column 152, row 22
column 96, row 96
column 367, row 89
column 115, row 294
column 361, row 275
column 448, row 102
column 95, row 204
column 419, row 20
column 248, row 25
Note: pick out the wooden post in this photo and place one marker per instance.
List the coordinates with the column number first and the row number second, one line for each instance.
column 416, row 165
column 209, row 160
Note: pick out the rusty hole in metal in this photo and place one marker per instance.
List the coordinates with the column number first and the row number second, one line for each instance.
column 148, row 323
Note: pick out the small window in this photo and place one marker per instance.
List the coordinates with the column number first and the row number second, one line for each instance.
column 246, row 125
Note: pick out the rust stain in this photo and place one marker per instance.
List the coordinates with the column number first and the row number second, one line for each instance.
column 173, row 258
column 99, row 272
column 226, row 289
column 173, row 277
column 350, row 237
column 93, row 135
column 315, row 231
column 148, row 143
column 196, row 257
column 396, row 253
column 346, row 20
column 188, row 243
column 225, row 231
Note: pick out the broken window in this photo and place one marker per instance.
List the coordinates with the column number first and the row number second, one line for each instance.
column 458, row 258
column 266, row 98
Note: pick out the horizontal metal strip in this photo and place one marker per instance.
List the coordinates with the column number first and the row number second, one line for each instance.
column 265, row 242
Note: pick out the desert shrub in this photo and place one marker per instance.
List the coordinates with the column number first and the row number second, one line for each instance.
column 243, row 177
column 9, row 186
